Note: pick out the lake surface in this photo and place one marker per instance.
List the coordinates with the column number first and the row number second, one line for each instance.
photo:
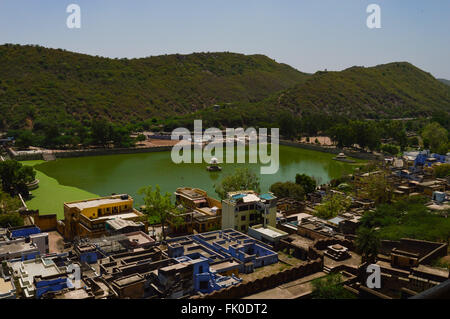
column 88, row 177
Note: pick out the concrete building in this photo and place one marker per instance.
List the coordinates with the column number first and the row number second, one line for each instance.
column 44, row 270
column 89, row 218
column 7, row 289
column 224, row 245
column 269, row 235
column 199, row 212
column 244, row 209
column 18, row 249
column 23, row 242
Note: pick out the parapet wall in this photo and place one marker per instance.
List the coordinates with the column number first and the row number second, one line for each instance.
column 428, row 251
column 268, row 282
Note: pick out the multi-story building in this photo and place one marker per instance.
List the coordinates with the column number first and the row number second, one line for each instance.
column 199, row 212
column 25, row 242
column 88, row 218
column 244, row 209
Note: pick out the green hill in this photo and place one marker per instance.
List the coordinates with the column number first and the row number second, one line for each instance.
column 391, row 90
column 47, row 84
column 39, row 83
column 445, row 81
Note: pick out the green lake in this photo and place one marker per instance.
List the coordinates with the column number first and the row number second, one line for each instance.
column 80, row 178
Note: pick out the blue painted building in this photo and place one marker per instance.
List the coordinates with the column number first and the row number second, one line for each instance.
column 23, row 231
column 205, row 280
column 222, row 245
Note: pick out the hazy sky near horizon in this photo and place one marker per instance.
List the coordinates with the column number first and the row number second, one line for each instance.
column 309, row 35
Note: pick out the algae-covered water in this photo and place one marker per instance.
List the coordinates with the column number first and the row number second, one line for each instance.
column 80, row 178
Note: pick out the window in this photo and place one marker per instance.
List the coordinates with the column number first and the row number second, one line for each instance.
column 252, row 216
column 243, row 228
column 203, row 285
column 99, row 212
column 200, row 270
column 243, row 217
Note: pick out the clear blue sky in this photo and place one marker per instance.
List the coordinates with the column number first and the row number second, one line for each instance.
column 309, row 35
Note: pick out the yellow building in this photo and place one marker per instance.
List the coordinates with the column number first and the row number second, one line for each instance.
column 244, row 209
column 88, row 218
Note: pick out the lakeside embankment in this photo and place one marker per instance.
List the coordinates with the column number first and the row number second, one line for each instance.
column 332, row 150
column 40, row 155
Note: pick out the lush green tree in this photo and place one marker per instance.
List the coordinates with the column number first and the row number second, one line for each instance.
column 413, row 141
column 241, row 179
column 436, row 138
column 408, row 218
column 442, row 171
column 377, row 188
column 367, row 244
column 157, row 206
column 343, row 135
column 288, row 126
column 308, row 183
column 8, row 203
column 121, row 136
column 390, row 149
column 140, row 138
column 333, row 205
column 15, row 176
column 330, row 287
column 10, row 220
column 288, row 189
column 25, row 139
column 101, row 132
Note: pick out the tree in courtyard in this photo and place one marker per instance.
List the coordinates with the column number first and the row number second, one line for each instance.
column 157, row 206
column 442, row 171
column 377, row 188
column 330, row 287
column 368, row 244
column 333, row 205
column 15, row 177
column 288, row 189
column 241, row 179
column 435, row 137
column 308, row 183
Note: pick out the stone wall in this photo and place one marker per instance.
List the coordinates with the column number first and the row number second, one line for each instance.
column 332, row 150
column 91, row 152
column 46, row 222
column 268, row 282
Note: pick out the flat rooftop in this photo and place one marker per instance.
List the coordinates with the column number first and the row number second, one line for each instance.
column 270, row 232
column 15, row 248
column 140, row 238
column 190, row 192
column 90, row 203
column 5, row 286
column 123, row 216
column 291, row 290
